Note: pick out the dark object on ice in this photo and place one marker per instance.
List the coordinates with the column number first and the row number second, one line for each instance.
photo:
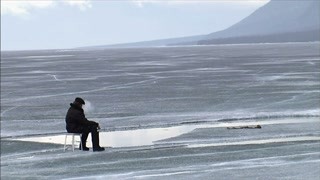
column 98, row 149
column 76, row 122
column 245, row 127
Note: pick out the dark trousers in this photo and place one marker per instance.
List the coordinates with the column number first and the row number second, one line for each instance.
column 94, row 136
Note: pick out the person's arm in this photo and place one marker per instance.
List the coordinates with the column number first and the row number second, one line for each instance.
column 83, row 120
column 93, row 123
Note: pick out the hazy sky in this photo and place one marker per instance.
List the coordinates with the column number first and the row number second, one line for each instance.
column 49, row 24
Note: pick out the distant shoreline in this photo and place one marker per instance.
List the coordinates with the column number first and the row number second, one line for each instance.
column 173, row 46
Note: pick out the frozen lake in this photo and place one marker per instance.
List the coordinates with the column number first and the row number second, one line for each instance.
column 164, row 112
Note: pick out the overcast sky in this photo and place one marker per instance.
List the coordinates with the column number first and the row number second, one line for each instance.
column 59, row 24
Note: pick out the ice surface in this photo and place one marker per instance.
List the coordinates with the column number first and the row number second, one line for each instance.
column 292, row 155
column 164, row 112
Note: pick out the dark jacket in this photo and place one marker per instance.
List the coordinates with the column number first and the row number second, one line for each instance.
column 76, row 120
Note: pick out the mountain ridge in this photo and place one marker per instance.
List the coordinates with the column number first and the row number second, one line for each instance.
column 276, row 17
column 276, row 21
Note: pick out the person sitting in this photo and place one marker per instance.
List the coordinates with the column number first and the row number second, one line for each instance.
column 76, row 122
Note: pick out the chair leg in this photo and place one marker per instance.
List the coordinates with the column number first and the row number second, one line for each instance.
column 73, row 142
column 65, row 143
column 81, row 141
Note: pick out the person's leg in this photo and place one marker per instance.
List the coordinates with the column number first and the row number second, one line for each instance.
column 84, row 136
column 95, row 139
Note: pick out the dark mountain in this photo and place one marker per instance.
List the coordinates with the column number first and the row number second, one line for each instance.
column 277, row 21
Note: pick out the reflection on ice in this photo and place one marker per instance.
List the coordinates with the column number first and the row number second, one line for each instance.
column 140, row 137
column 148, row 137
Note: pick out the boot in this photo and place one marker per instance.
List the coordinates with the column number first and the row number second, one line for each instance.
column 84, row 148
column 98, row 149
